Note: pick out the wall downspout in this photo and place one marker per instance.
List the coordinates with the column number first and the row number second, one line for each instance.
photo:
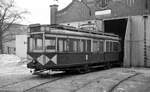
column 145, row 29
column 145, row 43
column 131, row 45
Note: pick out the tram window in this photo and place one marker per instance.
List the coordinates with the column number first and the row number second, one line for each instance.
column 50, row 43
column 95, row 46
column 115, row 46
column 107, row 46
column 101, row 46
column 63, row 45
column 71, row 45
column 88, row 45
column 82, row 46
column 35, row 44
column 78, row 45
column 111, row 46
column 60, row 45
column 75, row 45
column 38, row 44
column 31, row 44
column 66, row 45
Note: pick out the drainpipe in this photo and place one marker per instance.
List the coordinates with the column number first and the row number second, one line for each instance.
column 146, row 4
column 131, row 45
column 145, row 43
column 146, row 7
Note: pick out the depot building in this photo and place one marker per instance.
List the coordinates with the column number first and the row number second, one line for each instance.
column 130, row 19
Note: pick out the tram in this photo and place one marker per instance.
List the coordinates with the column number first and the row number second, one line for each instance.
column 65, row 48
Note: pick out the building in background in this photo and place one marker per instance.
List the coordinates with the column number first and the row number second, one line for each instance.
column 130, row 19
column 9, row 40
column 83, row 10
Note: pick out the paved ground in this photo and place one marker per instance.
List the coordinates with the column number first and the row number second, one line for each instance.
column 19, row 79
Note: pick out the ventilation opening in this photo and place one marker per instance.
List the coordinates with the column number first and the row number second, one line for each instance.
column 118, row 27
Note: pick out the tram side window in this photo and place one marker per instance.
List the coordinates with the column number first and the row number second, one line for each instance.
column 63, row 45
column 101, row 46
column 60, row 45
column 66, row 45
column 116, row 47
column 82, row 45
column 75, row 45
column 95, row 46
column 111, row 46
column 107, row 46
column 70, row 45
column 88, row 45
column 31, row 44
column 50, row 43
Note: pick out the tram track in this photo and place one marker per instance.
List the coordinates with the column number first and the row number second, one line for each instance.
column 17, row 82
column 114, row 86
column 121, row 81
column 52, row 78
column 55, row 79
column 50, row 81
column 12, row 83
column 34, row 82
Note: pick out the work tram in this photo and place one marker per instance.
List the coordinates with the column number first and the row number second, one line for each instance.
column 65, row 48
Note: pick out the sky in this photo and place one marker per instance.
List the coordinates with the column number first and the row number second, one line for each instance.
column 39, row 10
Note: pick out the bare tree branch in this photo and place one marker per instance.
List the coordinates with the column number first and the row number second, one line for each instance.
column 8, row 16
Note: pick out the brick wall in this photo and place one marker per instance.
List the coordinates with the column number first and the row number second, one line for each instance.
column 76, row 11
column 79, row 11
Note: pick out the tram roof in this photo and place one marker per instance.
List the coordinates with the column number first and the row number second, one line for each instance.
column 67, row 29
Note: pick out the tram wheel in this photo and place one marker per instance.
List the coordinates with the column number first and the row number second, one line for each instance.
column 83, row 70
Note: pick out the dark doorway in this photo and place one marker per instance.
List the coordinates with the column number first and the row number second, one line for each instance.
column 118, row 27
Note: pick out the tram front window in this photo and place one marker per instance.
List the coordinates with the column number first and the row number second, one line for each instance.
column 38, row 44
column 35, row 44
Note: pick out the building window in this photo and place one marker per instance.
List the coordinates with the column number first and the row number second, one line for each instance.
column 102, row 3
column 11, row 50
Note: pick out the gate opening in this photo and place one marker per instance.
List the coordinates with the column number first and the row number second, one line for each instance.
column 118, row 27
